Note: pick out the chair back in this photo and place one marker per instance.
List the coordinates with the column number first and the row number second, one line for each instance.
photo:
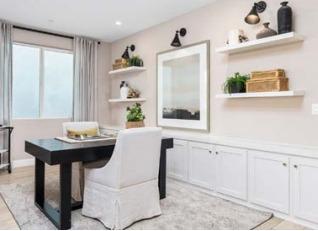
column 79, row 126
column 136, row 156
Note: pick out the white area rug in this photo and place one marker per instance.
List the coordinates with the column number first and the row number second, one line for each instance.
column 184, row 208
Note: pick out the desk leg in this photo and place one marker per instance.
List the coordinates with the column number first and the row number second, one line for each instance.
column 39, row 182
column 162, row 173
column 65, row 195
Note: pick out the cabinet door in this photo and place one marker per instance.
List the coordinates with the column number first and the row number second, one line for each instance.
column 231, row 171
column 177, row 160
column 305, row 188
column 201, row 165
column 269, row 180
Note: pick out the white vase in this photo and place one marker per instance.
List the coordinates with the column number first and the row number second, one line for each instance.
column 234, row 36
column 124, row 92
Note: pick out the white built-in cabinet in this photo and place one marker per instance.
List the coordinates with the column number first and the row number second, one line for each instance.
column 231, row 171
column 177, row 160
column 269, row 180
column 282, row 183
column 202, row 168
column 305, row 188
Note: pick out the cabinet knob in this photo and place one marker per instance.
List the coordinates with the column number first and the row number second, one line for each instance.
column 210, row 151
column 217, row 153
column 295, row 166
column 284, row 164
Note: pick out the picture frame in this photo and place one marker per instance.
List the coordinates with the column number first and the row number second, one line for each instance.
column 183, row 82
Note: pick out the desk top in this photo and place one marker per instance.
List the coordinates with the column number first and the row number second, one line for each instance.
column 53, row 151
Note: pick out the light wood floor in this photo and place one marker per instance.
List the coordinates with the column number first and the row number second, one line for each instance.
column 22, row 174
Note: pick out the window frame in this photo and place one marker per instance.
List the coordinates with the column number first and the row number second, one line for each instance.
column 41, row 76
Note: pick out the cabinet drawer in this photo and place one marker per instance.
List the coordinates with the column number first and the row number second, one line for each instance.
column 231, row 171
column 177, row 160
column 305, row 188
column 201, row 165
column 269, row 180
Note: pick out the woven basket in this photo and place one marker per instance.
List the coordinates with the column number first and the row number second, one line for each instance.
column 268, row 85
column 137, row 124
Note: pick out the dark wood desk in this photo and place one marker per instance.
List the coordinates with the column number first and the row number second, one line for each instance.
column 56, row 152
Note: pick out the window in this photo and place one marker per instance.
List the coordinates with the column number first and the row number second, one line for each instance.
column 42, row 82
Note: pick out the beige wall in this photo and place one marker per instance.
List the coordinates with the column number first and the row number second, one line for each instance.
column 26, row 129
column 286, row 120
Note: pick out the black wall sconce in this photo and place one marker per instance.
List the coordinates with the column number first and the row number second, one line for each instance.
column 253, row 17
column 125, row 55
column 176, row 41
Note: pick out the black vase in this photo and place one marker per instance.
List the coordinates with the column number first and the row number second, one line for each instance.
column 285, row 18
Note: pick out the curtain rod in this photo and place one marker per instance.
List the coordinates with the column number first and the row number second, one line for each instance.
column 44, row 32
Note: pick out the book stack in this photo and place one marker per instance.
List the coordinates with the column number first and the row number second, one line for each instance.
column 267, row 81
column 120, row 63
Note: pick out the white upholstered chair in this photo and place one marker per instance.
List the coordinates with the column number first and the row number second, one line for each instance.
column 126, row 189
column 77, row 168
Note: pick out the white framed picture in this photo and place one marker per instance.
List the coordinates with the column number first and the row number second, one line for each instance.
column 183, row 87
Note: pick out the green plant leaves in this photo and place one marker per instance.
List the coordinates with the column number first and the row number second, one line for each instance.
column 237, row 79
column 135, row 113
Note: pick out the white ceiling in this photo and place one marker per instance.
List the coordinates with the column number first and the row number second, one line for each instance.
column 95, row 18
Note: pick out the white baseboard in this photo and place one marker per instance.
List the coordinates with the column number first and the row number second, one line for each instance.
column 22, row 163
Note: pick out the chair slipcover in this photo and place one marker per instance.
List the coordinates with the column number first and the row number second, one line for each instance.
column 126, row 189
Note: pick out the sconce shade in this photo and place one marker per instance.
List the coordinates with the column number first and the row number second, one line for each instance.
column 176, row 41
column 126, row 54
column 253, row 17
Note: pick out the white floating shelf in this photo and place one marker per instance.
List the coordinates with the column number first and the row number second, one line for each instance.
column 127, row 70
column 262, row 94
column 127, row 100
column 276, row 40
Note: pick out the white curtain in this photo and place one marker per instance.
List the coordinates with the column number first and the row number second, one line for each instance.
column 85, row 79
column 5, row 82
column 5, row 73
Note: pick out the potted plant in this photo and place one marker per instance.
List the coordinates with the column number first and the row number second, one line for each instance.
column 235, row 84
column 135, row 61
column 135, row 116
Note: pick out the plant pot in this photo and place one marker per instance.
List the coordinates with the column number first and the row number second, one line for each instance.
column 135, row 124
column 237, row 87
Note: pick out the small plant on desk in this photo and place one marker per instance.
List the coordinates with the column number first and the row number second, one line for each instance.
column 135, row 116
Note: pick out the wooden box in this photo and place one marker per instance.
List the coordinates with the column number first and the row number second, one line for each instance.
column 120, row 61
column 119, row 66
column 261, row 75
column 137, row 124
column 268, row 85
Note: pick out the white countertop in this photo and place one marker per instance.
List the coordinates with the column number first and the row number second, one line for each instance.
column 280, row 148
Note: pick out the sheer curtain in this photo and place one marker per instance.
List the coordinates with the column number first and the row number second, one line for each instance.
column 5, row 82
column 85, row 98
column 5, row 73
column 85, row 79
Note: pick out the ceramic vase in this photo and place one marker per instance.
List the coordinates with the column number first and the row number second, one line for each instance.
column 234, row 36
column 124, row 90
column 285, row 18
column 266, row 32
